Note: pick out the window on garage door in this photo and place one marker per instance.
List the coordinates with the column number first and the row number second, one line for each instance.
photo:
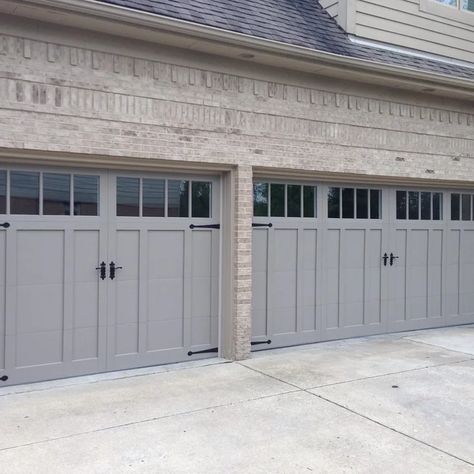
column 284, row 200
column 25, row 192
column 354, row 203
column 419, row 205
column 159, row 197
column 462, row 207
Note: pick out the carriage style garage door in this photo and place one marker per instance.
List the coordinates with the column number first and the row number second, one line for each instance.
column 105, row 271
column 341, row 261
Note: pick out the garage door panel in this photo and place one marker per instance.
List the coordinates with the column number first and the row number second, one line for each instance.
column 332, row 315
column 40, row 257
column 126, row 338
column 201, row 330
column 259, row 282
column 202, row 254
column 127, row 285
column 202, row 297
column 332, row 248
column 354, row 249
column 373, row 312
column 286, row 248
column 165, row 254
column 374, row 249
column 468, row 246
column 310, row 246
column 284, row 320
column 165, row 299
column 417, row 307
column 40, row 288
column 166, row 334
column 39, row 348
column 85, row 343
column 332, row 276
column 353, row 314
column 40, row 308
column 3, row 250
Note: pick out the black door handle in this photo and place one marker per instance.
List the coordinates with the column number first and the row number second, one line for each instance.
column 103, row 268
column 5, row 225
column 385, row 258
column 392, row 258
column 254, row 224
column 112, row 269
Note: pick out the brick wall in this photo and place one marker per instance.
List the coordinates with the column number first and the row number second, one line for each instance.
column 61, row 93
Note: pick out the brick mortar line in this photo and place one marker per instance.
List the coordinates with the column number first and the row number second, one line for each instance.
column 225, row 132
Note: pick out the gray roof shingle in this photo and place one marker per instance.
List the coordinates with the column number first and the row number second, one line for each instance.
column 296, row 22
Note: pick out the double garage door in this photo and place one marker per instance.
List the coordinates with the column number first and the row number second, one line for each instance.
column 341, row 261
column 104, row 271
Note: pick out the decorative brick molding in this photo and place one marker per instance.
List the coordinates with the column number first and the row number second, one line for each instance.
column 88, row 103
column 146, row 70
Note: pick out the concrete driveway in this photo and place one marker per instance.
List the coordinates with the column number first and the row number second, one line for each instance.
column 400, row 403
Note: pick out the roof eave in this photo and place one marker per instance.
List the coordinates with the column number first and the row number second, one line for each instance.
column 151, row 20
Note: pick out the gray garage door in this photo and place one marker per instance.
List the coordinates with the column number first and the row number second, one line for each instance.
column 341, row 261
column 104, row 271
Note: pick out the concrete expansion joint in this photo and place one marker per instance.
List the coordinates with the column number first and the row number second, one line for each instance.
column 365, row 417
column 150, row 420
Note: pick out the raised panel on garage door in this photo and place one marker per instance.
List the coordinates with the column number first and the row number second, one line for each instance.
column 164, row 243
column 355, row 238
column 460, row 257
column 417, row 273
column 317, row 263
column 286, row 305
column 53, row 305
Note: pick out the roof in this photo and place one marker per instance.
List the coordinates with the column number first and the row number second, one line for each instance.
column 295, row 22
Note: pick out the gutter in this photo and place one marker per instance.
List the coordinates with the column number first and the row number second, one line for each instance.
column 199, row 31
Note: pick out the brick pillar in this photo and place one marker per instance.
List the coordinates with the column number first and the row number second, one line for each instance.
column 242, row 262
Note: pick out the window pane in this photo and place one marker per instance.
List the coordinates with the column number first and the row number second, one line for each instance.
column 24, row 192
column 56, row 194
column 201, row 199
column 375, row 195
column 437, row 206
column 348, row 203
column 413, row 205
column 455, row 207
column 260, row 199
column 128, row 197
column 453, row 3
column 467, row 5
column 466, row 207
column 3, row 192
column 401, row 205
column 293, row 201
column 362, row 204
column 178, row 198
column 153, row 197
column 426, row 206
column 86, row 195
column 309, row 201
column 334, row 203
column 277, row 200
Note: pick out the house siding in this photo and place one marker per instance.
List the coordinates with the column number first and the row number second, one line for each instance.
column 406, row 23
column 331, row 6
column 63, row 92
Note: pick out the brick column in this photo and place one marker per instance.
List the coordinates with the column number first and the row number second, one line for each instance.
column 242, row 262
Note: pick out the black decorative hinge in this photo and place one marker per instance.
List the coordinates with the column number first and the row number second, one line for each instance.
column 205, row 351
column 4, row 378
column 5, row 225
column 262, row 225
column 256, row 343
column 205, row 226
